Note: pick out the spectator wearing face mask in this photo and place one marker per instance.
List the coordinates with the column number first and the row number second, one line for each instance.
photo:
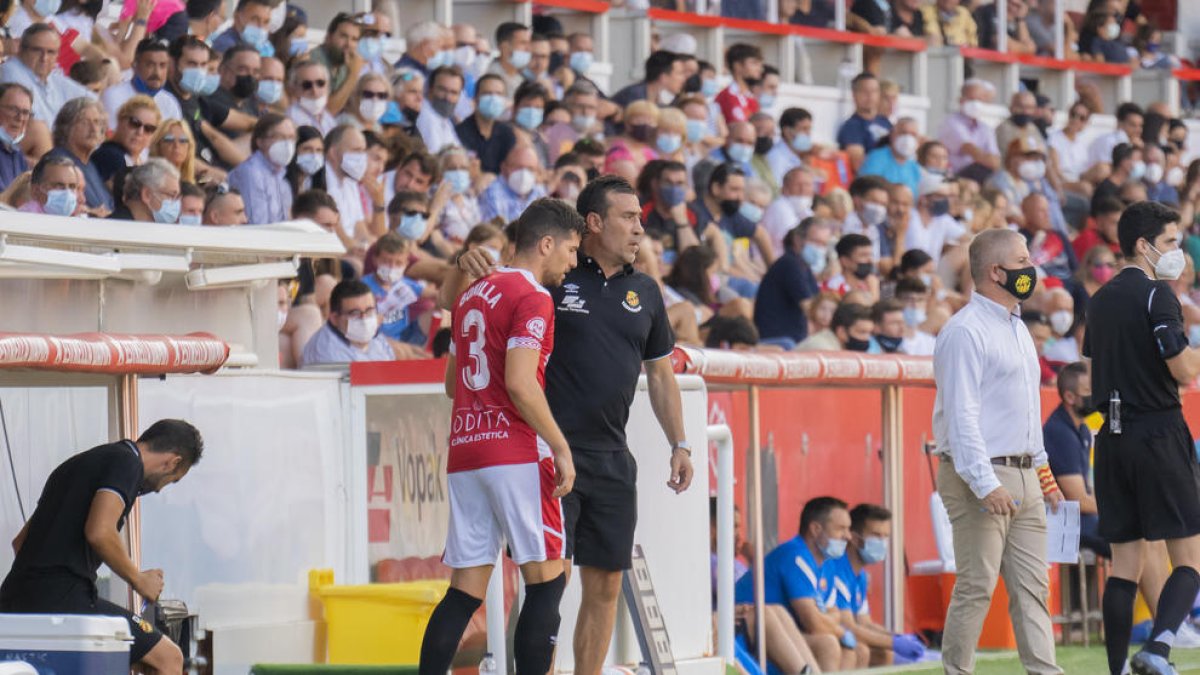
column 932, row 228
column 1021, row 122
column 971, row 141
column 376, row 26
column 790, row 284
column 896, row 162
column 345, row 166
column 339, row 54
column 1100, row 38
column 352, row 331
column 461, row 212
column 869, row 217
column 239, row 73
column 308, row 88
column 262, row 178
column 79, row 129
column 858, row 268
column 721, row 203
column 513, row 42
column 423, row 42
column 16, row 109
column 913, row 294
column 1059, row 307
column 888, row 316
column 987, row 19
column 151, row 194
column 1049, row 250
column 250, row 21
column 53, row 188
column 436, row 120
column 308, row 160
column 663, row 82
column 483, row 134
column 850, row 330
column 934, row 159
column 637, row 144
column 368, row 103
column 745, row 65
column 395, row 294
column 665, row 213
column 1068, row 442
column 738, row 148
column 1025, row 173
column 529, row 111
column 1157, row 188
column 515, row 189
column 794, row 204
column 191, row 204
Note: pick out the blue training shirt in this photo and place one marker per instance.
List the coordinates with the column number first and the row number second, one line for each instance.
column 849, row 589
column 790, row 573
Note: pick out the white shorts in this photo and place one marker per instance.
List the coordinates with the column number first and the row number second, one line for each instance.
column 512, row 503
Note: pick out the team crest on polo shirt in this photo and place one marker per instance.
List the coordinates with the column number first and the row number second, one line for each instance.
column 1023, row 284
column 632, row 302
column 143, row 624
column 536, row 327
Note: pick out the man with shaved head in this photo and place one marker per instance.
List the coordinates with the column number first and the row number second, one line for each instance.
column 995, row 476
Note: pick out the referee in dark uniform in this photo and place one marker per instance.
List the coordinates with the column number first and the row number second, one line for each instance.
column 609, row 322
column 1146, row 473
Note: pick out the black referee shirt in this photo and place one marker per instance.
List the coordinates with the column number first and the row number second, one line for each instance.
column 603, row 330
column 1123, row 319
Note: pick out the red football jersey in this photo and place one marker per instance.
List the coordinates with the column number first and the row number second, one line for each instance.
column 505, row 310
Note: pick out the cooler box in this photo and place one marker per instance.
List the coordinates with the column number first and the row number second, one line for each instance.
column 377, row 623
column 58, row 644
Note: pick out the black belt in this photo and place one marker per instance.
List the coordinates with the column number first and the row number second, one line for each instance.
column 1015, row 461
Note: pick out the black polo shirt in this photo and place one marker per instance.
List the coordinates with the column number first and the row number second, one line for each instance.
column 195, row 109
column 603, row 330
column 491, row 151
column 55, row 547
column 1134, row 324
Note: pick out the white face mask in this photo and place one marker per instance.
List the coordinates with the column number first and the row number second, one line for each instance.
column 354, row 165
column 282, row 318
column 801, row 204
column 906, row 146
column 281, row 153
column 1170, row 264
column 972, row 109
column 372, row 109
column 390, row 275
column 313, row 106
column 1061, row 321
column 1154, row 173
column 362, row 329
column 1175, row 176
column 522, row 181
column 1032, row 170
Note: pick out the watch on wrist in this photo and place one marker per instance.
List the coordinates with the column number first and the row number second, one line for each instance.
column 684, row 446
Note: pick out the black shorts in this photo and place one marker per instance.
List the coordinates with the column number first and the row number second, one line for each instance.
column 70, row 595
column 1148, row 480
column 600, row 513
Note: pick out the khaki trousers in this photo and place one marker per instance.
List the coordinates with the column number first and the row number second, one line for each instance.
column 985, row 546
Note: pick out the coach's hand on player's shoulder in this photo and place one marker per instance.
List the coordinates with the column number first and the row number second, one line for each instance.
column 999, row 502
column 149, row 584
column 681, row 470
column 477, row 262
column 564, row 471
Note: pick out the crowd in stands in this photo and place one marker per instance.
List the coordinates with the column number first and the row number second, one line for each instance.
column 763, row 233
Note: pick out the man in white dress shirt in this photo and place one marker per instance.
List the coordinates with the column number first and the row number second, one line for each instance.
column 995, row 476
column 436, row 119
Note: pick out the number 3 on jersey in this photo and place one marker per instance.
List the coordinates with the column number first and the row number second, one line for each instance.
column 475, row 373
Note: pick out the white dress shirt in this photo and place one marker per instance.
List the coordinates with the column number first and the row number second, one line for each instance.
column 932, row 238
column 437, row 131
column 323, row 122
column 1100, row 151
column 988, row 405
column 1072, row 154
column 781, row 216
column 348, row 196
column 115, row 96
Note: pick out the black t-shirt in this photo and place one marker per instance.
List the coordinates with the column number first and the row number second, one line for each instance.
column 1134, row 325
column 225, row 98
column 55, row 546
column 871, row 12
column 194, row 110
column 490, row 151
column 603, row 330
column 820, row 15
column 109, row 159
column 777, row 311
column 1105, row 188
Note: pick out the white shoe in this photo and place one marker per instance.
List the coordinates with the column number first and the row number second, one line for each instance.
column 1186, row 637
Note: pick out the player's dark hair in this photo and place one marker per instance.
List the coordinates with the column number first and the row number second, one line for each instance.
column 1143, row 220
column 347, row 288
column 721, row 175
column 547, row 217
column 1069, row 377
column 862, row 185
column 660, row 63
column 594, row 197
column 739, row 52
column 793, row 116
column 865, row 513
column 885, row 307
column 506, row 30
column 817, row 510
column 1107, row 205
column 849, row 313
column 1128, row 108
column 176, row 437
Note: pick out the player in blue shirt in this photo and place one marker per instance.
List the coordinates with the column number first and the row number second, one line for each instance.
column 870, row 529
column 796, row 576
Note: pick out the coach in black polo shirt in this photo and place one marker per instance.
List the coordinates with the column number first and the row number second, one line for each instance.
column 1147, row 478
column 609, row 322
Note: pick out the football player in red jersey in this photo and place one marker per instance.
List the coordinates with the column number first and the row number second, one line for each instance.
column 508, row 463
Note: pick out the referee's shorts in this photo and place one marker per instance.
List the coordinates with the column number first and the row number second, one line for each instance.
column 600, row 512
column 1148, row 479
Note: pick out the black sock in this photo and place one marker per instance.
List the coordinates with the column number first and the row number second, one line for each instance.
column 446, row 626
column 1178, row 595
column 537, row 626
column 1119, row 595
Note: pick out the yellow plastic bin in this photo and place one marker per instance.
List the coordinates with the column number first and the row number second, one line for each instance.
column 376, row 623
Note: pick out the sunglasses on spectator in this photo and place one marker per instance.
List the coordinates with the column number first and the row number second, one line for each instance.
column 136, row 125
column 312, row 84
column 175, row 139
column 377, row 95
